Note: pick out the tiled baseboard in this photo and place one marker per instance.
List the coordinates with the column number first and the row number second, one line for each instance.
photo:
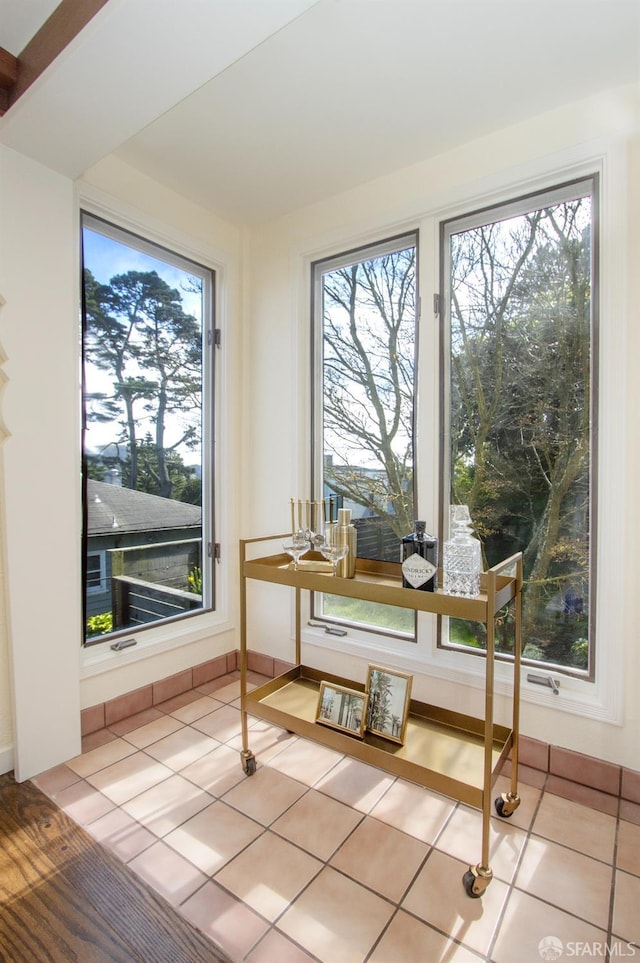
column 106, row 713
column 594, row 782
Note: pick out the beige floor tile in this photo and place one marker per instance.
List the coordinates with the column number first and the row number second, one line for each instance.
column 153, row 731
column 136, row 721
column 587, row 830
column 231, row 691
column 380, row 857
column 213, row 836
column 123, row 835
column 570, row 880
column 166, row 806
column 182, row 748
column 626, row 907
column 178, row 701
column 265, row 740
column 129, row 777
column 356, row 784
column 54, row 780
column 305, row 761
column 414, row 810
column 100, row 758
column 221, row 724
column 336, row 919
column 269, row 874
column 438, row 897
column 228, row 922
column 277, row 947
column 628, row 853
column 317, row 823
column 407, row 940
column 529, row 798
column 93, row 740
column 195, row 709
column 83, row 803
column 266, row 795
column 530, row 925
column 168, row 872
column 216, row 772
column 462, row 838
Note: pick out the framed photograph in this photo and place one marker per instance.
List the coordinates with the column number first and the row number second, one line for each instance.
column 389, row 695
column 342, row 708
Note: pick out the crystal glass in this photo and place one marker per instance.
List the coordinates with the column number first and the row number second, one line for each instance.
column 334, row 553
column 462, row 559
column 296, row 546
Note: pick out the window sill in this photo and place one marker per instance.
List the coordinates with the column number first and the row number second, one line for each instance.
column 100, row 657
column 576, row 696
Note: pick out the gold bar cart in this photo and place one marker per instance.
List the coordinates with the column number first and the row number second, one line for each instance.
column 452, row 753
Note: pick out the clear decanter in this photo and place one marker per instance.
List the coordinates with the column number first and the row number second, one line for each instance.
column 462, row 558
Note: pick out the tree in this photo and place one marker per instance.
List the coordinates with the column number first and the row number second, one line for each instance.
column 520, row 403
column 185, row 484
column 369, row 345
column 137, row 331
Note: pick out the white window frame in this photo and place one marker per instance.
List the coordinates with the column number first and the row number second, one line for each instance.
column 600, row 699
column 154, row 640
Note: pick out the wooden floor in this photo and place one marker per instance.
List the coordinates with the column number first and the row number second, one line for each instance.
column 64, row 898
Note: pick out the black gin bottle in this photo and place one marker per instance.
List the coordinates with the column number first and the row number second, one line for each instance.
column 419, row 558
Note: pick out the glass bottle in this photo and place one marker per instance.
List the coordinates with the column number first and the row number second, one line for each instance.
column 462, row 558
column 419, row 559
column 346, row 534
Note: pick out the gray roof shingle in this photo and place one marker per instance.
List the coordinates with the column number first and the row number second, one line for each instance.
column 111, row 508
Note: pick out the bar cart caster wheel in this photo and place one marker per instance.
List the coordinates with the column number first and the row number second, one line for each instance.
column 476, row 880
column 506, row 804
column 248, row 762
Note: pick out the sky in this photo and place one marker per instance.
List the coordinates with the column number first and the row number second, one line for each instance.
column 105, row 258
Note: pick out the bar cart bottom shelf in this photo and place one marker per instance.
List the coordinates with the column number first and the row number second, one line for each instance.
column 443, row 750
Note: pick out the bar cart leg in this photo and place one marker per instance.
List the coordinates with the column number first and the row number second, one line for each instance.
column 507, row 802
column 478, row 877
column 247, row 757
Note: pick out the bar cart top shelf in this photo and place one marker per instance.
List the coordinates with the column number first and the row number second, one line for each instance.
column 377, row 581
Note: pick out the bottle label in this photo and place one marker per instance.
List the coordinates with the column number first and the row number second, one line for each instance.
column 417, row 570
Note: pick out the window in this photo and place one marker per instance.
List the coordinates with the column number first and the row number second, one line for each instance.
column 364, row 376
column 147, row 353
column 518, row 423
column 95, row 572
column 519, row 408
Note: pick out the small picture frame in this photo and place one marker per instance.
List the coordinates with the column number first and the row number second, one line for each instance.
column 389, row 697
column 343, row 709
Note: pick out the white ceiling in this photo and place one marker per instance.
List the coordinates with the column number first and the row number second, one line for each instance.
column 254, row 108
column 20, row 20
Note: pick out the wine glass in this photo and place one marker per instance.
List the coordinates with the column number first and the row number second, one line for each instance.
column 334, row 553
column 296, row 546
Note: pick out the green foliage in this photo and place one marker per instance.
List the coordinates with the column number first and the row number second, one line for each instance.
column 194, row 580
column 520, row 409
column 99, row 624
column 580, row 653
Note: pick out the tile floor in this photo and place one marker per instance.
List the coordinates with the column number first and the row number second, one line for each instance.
column 318, row 857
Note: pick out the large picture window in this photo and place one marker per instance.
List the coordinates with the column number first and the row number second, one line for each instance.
column 364, row 377
column 520, row 408
column 518, row 425
column 147, row 353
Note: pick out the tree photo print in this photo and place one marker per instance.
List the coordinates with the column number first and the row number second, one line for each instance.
column 389, row 695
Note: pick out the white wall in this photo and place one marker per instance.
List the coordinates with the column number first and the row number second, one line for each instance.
column 42, row 478
column 41, row 659
column 277, row 368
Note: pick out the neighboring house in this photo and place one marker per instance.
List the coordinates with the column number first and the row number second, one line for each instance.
column 119, row 519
